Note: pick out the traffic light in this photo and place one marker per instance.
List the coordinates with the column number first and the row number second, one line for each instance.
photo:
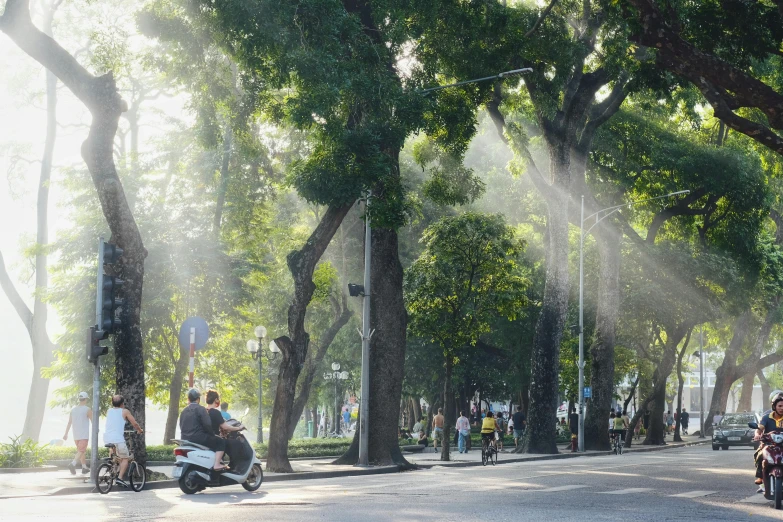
column 95, row 350
column 109, row 287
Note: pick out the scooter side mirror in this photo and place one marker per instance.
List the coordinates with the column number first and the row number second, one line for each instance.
column 753, row 425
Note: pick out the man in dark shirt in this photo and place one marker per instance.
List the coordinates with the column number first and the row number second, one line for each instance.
column 196, row 426
column 519, row 425
column 219, row 424
column 770, row 422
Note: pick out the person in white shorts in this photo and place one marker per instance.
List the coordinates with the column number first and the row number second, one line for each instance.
column 80, row 420
column 115, row 432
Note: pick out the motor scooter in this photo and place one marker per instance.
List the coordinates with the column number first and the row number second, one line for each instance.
column 772, row 465
column 194, row 472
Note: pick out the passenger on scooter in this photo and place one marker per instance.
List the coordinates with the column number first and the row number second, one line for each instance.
column 195, row 426
column 771, row 422
column 219, row 424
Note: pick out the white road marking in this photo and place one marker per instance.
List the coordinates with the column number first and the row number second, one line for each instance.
column 561, row 488
column 693, row 494
column 626, row 491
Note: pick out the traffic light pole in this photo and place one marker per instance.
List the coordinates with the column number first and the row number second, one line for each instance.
column 364, row 405
column 96, row 374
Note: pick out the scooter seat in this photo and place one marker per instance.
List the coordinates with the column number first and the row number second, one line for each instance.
column 192, row 444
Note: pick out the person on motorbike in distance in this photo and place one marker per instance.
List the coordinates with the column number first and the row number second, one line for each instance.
column 771, row 422
column 196, row 426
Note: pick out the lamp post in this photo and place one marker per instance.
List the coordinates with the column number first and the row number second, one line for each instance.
column 700, row 355
column 599, row 216
column 255, row 348
column 336, row 376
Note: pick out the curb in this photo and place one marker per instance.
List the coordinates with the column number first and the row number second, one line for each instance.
column 29, row 470
column 307, row 475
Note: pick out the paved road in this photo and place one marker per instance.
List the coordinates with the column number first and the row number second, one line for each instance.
column 684, row 484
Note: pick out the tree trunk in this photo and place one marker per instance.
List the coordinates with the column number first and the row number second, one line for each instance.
column 301, row 264
column 175, row 395
column 448, row 393
column 632, row 393
column 680, row 386
column 655, row 435
column 602, row 350
column 387, row 354
column 222, row 187
column 766, row 389
column 746, row 396
column 540, row 435
column 342, row 316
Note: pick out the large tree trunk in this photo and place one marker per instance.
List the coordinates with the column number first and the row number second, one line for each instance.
column 746, row 395
column 342, row 316
column 602, row 351
column 766, row 389
column 675, row 334
column 540, row 436
column 301, row 264
column 100, row 96
column 387, row 354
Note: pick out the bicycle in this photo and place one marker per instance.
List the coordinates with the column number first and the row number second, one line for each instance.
column 109, row 471
column 618, row 441
column 489, row 452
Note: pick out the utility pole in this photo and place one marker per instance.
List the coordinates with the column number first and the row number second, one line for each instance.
column 701, row 382
column 364, row 407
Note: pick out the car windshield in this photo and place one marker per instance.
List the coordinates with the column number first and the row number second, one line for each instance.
column 738, row 419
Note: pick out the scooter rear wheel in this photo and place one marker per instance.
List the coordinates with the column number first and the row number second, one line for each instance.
column 778, row 492
column 188, row 487
column 254, row 478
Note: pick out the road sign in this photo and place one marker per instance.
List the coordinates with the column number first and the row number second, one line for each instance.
column 202, row 333
column 588, row 392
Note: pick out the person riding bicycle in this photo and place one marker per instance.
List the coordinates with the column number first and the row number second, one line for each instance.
column 618, row 430
column 771, row 422
column 488, row 428
column 115, row 433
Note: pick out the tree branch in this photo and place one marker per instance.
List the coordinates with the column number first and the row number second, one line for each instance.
column 540, row 18
column 16, row 300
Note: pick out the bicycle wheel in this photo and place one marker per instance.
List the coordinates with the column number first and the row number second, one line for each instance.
column 494, row 455
column 137, row 476
column 484, row 451
column 104, row 480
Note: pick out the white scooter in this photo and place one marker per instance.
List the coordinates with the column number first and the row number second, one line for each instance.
column 194, row 470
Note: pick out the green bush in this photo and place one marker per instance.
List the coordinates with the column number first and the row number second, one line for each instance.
column 22, row 454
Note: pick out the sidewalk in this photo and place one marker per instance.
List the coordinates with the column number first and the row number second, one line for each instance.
column 61, row 482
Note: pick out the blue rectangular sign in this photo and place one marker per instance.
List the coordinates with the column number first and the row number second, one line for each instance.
column 588, row 392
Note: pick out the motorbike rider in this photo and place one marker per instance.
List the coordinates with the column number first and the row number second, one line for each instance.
column 220, row 425
column 196, row 426
column 770, row 422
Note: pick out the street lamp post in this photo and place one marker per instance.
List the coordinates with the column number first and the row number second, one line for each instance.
column 255, row 348
column 700, row 354
column 599, row 216
column 336, row 376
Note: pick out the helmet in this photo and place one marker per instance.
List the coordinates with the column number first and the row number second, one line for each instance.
column 775, row 397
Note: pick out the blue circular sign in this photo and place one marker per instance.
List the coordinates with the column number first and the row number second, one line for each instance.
column 202, row 333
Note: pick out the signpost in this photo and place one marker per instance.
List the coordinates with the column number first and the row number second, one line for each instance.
column 588, row 392
column 193, row 336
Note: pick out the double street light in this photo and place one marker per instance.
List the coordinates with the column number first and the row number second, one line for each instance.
column 336, row 376
column 599, row 216
column 255, row 349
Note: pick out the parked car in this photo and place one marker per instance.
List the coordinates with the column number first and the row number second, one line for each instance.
column 732, row 430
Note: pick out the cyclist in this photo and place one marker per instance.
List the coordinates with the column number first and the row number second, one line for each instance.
column 619, row 428
column 114, row 433
column 488, row 429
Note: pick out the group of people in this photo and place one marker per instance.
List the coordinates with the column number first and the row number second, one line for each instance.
column 499, row 426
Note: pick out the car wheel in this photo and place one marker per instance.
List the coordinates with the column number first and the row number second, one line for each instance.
column 726, row 447
column 715, row 447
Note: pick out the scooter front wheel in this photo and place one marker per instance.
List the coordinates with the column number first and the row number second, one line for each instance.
column 778, row 491
column 254, row 478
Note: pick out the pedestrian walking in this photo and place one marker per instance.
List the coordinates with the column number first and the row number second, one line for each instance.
column 519, row 425
column 669, row 421
column 573, row 421
column 437, row 428
column 346, row 419
column 463, row 429
column 684, row 419
column 501, row 422
column 80, row 421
